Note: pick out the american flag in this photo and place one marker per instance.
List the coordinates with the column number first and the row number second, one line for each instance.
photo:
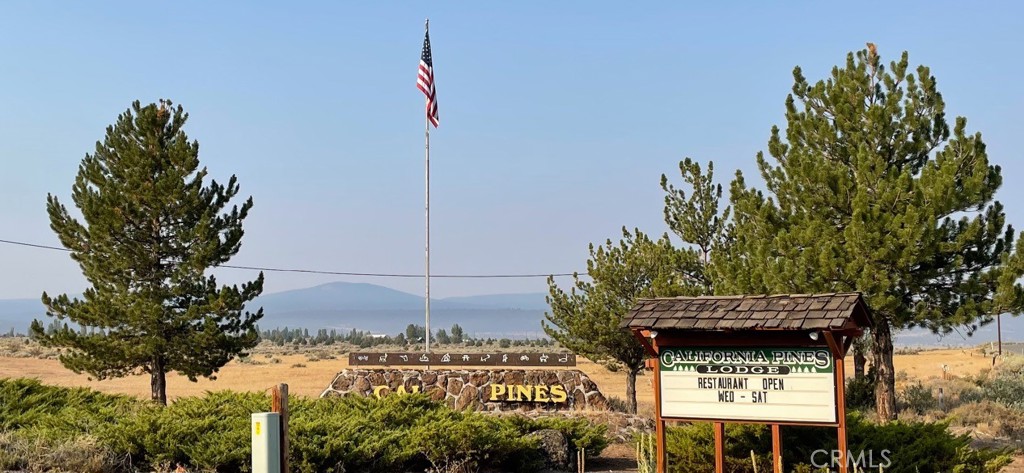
column 425, row 80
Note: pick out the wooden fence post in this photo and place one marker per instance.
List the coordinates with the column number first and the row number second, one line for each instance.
column 279, row 404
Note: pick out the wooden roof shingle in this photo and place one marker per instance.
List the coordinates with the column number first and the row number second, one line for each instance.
column 761, row 312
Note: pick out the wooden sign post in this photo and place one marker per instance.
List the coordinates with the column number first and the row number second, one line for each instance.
column 775, row 360
column 279, row 404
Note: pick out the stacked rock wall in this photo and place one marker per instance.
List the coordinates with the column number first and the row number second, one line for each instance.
column 515, row 390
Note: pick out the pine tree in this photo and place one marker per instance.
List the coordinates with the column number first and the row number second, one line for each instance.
column 870, row 190
column 415, row 333
column 586, row 318
column 457, row 334
column 697, row 220
column 150, row 229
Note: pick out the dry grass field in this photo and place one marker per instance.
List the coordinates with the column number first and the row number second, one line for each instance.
column 928, row 364
column 308, row 373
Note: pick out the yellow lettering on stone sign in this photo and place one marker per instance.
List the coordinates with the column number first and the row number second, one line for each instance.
column 527, row 392
column 414, row 390
column 377, row 390
column 499, row 392
column 558, row 393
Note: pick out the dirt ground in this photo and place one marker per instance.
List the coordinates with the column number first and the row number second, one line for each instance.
column 1016, row 467
column 308, row 375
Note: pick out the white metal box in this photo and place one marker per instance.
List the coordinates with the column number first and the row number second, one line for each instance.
column 266, row 442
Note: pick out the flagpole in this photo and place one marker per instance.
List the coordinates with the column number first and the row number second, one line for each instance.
column 426, row 27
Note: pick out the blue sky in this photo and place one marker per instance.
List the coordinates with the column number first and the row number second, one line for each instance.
column 557, row 119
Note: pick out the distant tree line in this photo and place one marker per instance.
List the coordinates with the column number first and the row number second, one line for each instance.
column 56, row 326
column 412, row 336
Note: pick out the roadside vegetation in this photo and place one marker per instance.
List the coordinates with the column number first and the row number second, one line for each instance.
column 48, row 428
column 897, row 447
column 988, row 404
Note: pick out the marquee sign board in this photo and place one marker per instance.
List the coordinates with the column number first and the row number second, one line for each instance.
column 461, row 359
column 771, row 359
column 791, row 384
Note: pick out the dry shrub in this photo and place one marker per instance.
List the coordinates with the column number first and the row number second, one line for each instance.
column 1005, row 383
column 38, row 453
column 1011, row 364
column 990, row 418
column 902, row 376
column 249, row 360
column 316, row 356
column 916, row 398
column 617, row 404
column 954, row 392
column 9, row 460
column 23, row 347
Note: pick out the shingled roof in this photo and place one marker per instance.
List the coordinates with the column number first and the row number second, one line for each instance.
column 833, row 311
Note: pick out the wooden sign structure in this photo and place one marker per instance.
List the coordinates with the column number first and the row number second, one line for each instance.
column 774, row 360
column 461, row 359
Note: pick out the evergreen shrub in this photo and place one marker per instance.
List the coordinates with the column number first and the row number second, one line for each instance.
column 211, row 433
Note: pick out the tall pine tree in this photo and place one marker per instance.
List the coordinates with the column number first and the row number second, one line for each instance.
column 697, row 220
column 586, row 318
column 869, row 189
column 150, row 230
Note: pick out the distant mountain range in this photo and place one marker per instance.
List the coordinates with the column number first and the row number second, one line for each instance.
column 18, row 314
column 1013, row 331
column 370, row 307
column 379, row 309
column 384, row 310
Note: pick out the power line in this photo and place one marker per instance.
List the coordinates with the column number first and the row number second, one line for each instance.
column 33, row 245
column 337, row 273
